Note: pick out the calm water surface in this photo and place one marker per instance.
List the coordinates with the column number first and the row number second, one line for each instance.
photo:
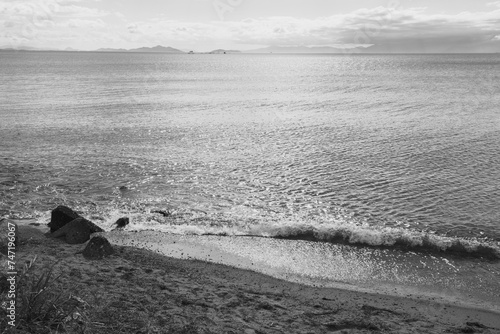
column 388, row 139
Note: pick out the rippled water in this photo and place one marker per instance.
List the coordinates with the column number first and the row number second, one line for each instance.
column 391, row 140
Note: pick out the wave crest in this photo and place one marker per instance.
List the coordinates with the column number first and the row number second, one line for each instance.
column 328, row 228
column 382, row 237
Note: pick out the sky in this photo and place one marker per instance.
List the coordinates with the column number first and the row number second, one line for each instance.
column 204, row 25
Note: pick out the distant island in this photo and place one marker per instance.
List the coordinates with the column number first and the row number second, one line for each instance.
column 304, row 49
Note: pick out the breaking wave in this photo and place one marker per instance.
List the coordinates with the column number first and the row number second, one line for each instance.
column 331, row 229
column 388, row 237
column 325, row 229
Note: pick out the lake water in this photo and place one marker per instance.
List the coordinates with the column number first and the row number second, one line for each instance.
column 391, row 161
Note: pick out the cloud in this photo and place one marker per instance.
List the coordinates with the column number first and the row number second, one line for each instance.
column 392, row 29
column 379, row 26
column 376, row 26
column 46, row 21
column 82, row 23
column 412, row 27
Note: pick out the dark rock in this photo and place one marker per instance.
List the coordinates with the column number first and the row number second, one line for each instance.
column 61, row 216
column 98, row 248
column 77, row 231
column 9, row 233
column 122, row 222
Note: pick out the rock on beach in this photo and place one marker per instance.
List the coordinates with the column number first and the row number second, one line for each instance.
column 61, row 216
column 77, row 231
column 98, row 248
column 67, row 223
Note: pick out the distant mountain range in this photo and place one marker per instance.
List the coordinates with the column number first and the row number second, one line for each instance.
column 388, row 48
column 400, row 47
column 158, row 49
column 305, row 49
column 25, row 48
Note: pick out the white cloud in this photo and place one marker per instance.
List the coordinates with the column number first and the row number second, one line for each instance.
column 47, row 20
column 365, row 26
column 381, row 25
column 27, row 21
column 82, row 23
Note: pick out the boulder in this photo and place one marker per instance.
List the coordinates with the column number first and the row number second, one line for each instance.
column 98, row 248
column 9, row 233
column 122, row 222
column 77, row 231
column 61, row 216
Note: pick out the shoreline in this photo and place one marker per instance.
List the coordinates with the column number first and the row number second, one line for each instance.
column 142, row 291
column 240, row 253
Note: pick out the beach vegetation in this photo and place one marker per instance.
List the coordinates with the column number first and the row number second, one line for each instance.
column 41, row 308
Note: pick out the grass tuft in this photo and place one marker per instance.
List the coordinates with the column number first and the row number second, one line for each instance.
column 40, row 307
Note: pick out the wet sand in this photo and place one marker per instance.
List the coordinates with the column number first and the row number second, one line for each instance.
column 139, row 291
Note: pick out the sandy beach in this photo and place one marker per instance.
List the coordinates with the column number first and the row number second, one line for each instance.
column 139, row 291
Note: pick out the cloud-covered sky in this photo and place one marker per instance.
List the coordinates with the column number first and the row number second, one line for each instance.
column 203, row 25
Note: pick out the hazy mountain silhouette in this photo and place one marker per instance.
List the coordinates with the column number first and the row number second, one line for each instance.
column 304, row 49
column 424, row 46
column 158, row 49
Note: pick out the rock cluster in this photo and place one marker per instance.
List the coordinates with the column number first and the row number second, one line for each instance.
column 67, row 224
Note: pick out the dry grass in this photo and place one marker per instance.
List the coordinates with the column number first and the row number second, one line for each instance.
column 41, row 308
